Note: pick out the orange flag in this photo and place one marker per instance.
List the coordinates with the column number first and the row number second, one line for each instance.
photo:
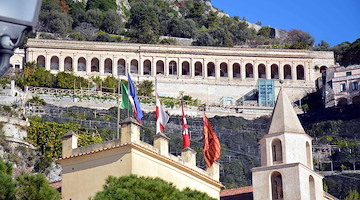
column 211, row 143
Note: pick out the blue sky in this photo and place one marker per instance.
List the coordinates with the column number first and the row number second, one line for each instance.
column 333, row 21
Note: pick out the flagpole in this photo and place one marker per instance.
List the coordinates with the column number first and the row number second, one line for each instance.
column 118, row 114
column 155, row 104
column 128, row 85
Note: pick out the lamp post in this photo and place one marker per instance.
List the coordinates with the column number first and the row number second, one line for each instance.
column 17, row 17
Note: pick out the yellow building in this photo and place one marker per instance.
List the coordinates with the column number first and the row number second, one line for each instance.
column 86, row 168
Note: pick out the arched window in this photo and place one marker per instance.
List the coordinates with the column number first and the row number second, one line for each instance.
column 355, row 100
column 172, row 68
column 68, row 64
column 276, row 186
column 287, row 72
column 312, row 188
column 223, row 70
column 198, row 69
column 300, row 72
column 54, row 63
column 276, row 149
column 308, row 155
column 262, row 71
column 134, row 67
column 249, row 70
column 81, row 64
column 95, row 65
column 236, row 70
column 185, row 66
column 147, row 67
column 342, row 102
column 160, row 67
column 211, row 69
column 41, row 61
column 121, row 67
column 108, row 66
column 274, row 71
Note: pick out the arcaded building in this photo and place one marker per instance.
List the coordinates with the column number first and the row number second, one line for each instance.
column 216, row 71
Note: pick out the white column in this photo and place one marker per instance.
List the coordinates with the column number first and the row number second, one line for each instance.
column 293, row 72
column 178, row 67
column 47, row 61
column 153, row 66
column 217, row 69
column 140, row 66
column 256, row 71
column 205, row 68
column 230, row 70
column 281, row 71
column 192, row 68
column 242, row 70
column 166, row 67
column 61, row 63
column 88, row 65
column 74, row 63
column 268, row 70
column 114, row 67
column 307, row 71
column 101, row 65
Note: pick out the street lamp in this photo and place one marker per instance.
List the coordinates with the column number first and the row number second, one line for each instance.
column 17, row 17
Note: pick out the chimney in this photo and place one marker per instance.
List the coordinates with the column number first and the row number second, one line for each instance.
column 130, row 131
column 161, row 142
column 213, row 171
column 189, row 156
column 69, row 142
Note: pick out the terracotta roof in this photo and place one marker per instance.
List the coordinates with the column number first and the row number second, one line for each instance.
column 284, row 118
column 236, row 191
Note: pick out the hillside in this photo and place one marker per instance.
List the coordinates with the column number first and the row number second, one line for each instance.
column 145, row 21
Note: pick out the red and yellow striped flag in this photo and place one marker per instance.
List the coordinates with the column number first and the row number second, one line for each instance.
column 211, row 143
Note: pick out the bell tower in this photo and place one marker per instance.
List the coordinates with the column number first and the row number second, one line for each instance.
column 286, row 171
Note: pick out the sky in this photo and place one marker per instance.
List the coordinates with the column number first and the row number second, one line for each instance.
column 334, row 21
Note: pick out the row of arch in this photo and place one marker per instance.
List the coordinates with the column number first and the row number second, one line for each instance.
column 344, row 101
column 277, row 152
column 80, row 65
column 277, row 186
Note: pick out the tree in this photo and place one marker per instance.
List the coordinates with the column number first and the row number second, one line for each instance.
column 77, row 13
column 110, row 84
column 204, row 39
column 352, row 55
column 353, row 195
column 67, row 80
column 300, row 39
column 34, row 75
column 144, row 23
column 265, row 31
column 339, row 51
column 322, row 46
column 134, row 187
column 95, row 17
column 35, row 187
column 7, row 184
column 112, row 22
column 54, row 21
column 221, row 37
column 146, row 88
column 103, row 5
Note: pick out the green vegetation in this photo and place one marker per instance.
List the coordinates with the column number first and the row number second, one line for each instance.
column 46, row 136
column 134, row 187
column 25, row 186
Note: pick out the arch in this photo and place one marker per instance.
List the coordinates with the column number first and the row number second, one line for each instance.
column 223, row 70
column 81, row 64
column 68, row 64
column 121, row 67
column 94, row 65
column 308, row 155
column 287, row 72
column 147, row 67
column 185, row 68
column 276, row 149
column 41, row 61
column 274, row 71
column 134, row 67
column 160, row 67
column 172, row 68
column 312, row 188
column 300, row 75
column 342, row 101
column 236, row 70
column 276, row 186
column 54, row 63
column 249, row 69
column 108, row 66
column 211, row 69
column 262, row 71
column 356, row 100
column 198, row 69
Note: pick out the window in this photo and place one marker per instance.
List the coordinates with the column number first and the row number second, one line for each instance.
column 348, row 73
column 354, row 85
column 342, row 87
